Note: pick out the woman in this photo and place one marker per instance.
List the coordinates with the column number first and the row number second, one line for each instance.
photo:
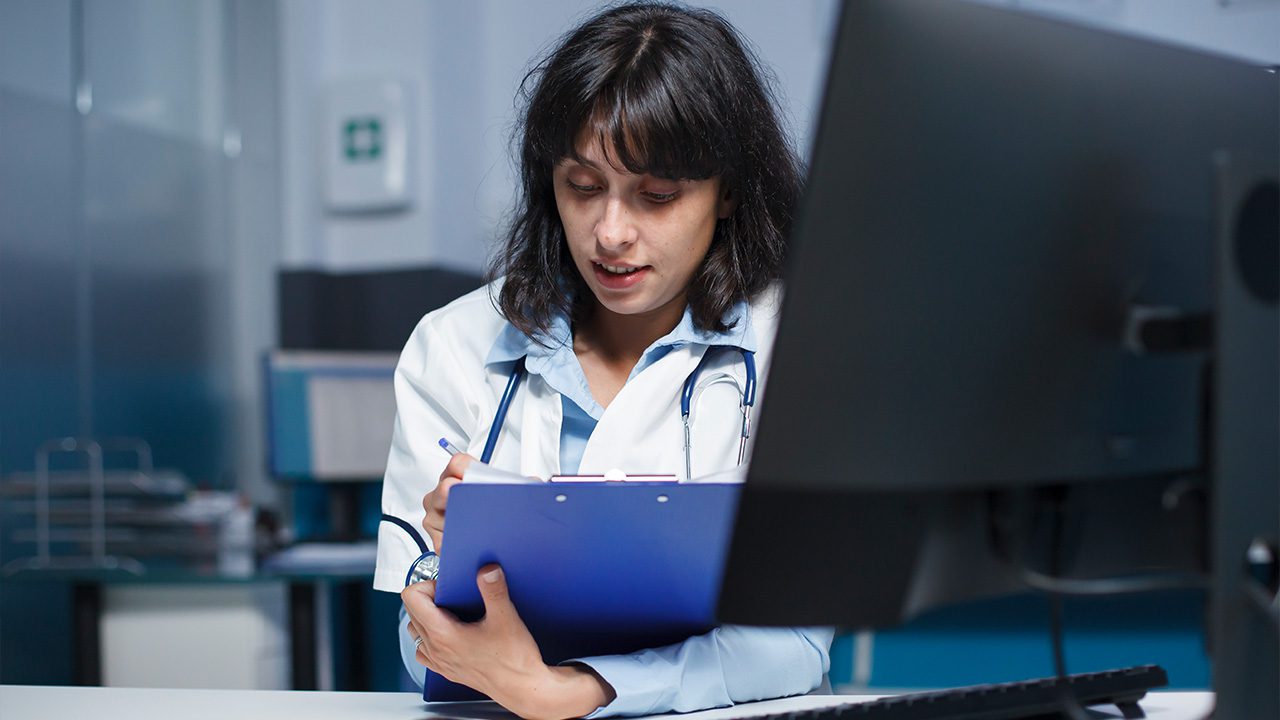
column 657, row 192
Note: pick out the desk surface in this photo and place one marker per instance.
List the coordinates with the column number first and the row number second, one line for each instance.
column 22, row 702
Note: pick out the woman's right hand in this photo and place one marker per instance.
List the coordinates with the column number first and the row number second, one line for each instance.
column 435, row 501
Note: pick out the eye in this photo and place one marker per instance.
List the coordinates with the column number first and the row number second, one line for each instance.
column 582, row 189
column 656, row 197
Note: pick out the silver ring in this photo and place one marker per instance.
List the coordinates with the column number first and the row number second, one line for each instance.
column 417, row 643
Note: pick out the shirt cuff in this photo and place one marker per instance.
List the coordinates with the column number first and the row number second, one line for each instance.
column 676, row 678
column 620, row 672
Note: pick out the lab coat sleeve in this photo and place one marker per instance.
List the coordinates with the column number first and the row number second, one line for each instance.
column 728, row 665
column 435, row 398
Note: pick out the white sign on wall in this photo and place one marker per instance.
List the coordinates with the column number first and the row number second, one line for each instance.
column 366, row 146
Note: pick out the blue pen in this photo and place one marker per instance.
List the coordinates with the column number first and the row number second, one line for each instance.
column 449, row 447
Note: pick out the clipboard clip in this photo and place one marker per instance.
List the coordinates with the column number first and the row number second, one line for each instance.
column 614, row 475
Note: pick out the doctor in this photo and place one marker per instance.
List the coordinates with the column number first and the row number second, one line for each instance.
column 657, row 192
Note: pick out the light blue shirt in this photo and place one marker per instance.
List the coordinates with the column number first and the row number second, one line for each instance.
column 575, row 431
column 729, row 664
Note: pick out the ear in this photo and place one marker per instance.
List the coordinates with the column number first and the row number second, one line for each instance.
column 727, row 204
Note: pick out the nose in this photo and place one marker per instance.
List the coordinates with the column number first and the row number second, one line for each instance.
column 615, row 229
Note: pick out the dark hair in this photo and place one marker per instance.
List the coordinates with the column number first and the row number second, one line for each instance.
column 673, row 92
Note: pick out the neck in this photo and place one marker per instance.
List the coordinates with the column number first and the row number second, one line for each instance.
column 624, row 338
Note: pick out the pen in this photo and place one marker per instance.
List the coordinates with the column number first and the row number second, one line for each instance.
column 449, row 447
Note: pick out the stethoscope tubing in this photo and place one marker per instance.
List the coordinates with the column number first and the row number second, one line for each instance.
column 748, row 402
column 500, row 417
column 686, row 404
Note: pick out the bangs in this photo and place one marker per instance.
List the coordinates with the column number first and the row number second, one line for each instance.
column 647, row 134
column 649, row 112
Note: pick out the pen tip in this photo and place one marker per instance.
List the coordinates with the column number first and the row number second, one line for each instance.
column 444, row 443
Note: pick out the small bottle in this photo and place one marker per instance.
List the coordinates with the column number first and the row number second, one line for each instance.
column 235, row 540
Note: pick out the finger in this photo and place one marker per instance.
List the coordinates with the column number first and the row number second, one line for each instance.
column 416, row 630
column 457, row 466
column 433, row 515
column 432, row 621
column 440, row 498
column 492, row 582
column 418, row 593
column 433, row 524
column 419, row 638
column 419, row 602
column 422, row 656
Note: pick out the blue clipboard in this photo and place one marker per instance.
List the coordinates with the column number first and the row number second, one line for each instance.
column 593, row 568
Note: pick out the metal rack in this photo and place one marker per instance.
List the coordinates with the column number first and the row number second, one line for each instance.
column 91, row 484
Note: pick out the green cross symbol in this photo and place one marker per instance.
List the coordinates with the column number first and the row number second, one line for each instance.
column 362, row 139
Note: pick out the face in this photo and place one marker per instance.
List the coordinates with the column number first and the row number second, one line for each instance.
column 636, row 239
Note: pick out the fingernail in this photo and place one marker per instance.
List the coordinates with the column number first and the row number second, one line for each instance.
column 492, row 576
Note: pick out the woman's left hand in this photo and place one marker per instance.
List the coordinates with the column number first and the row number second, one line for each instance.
column 497, row 656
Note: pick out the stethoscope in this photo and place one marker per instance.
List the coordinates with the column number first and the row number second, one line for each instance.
column 686, row 402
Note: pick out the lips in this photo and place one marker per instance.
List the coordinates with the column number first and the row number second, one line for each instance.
column 619, row 277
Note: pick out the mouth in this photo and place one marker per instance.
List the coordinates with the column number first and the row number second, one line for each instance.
column 619, row 277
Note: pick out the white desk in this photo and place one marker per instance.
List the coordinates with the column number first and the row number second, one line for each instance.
column 22, row 702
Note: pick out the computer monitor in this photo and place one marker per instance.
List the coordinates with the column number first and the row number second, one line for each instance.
column 1029, row 332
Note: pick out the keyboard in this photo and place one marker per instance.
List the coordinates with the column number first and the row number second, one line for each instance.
column 1040, row 698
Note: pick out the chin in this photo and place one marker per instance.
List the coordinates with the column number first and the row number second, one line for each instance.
column 627, row 307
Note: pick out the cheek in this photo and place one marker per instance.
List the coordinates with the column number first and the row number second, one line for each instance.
column 572, row 219
column 579, row 248
column 695, row 239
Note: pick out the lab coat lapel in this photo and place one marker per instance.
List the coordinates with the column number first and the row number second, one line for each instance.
column 540, row 421
column 640, row 431
column 529, row 442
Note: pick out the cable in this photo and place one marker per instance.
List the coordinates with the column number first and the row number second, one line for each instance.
column 1070, row 705
column 1104, row 586
column 1056, row 587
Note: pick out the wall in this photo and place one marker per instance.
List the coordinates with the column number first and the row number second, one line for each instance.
column 463, row 62
column 1246, row 29
column 140, row 227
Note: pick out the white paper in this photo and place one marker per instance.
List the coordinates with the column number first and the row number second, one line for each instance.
column 480, row 474
column 732, row 476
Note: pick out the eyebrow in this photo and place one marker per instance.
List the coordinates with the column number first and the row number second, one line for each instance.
column 568, row 159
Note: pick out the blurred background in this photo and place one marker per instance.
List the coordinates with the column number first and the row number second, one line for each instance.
column 219, row 221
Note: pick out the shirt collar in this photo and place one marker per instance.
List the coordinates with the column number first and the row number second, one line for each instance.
column 512, row 344
column 741, row 334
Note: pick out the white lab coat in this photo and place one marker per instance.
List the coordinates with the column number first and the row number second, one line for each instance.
column 443, row 389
